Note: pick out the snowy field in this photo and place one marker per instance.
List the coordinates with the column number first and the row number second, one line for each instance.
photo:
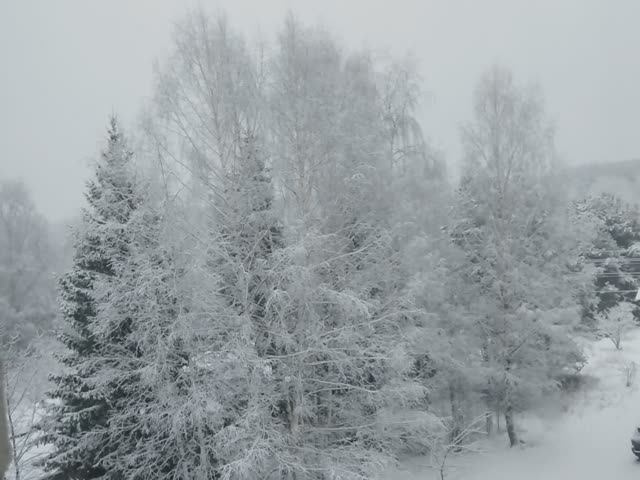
column 589, row 442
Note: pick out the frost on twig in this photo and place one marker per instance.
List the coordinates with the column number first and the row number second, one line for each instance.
column 450, row 441
column 630, row 374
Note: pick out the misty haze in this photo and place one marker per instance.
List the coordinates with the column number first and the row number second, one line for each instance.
column 338, row 240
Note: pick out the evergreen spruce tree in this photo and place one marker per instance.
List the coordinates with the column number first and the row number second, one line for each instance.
column 251, row 232
column 511, row 223
column 246, row 242
column 614, row 254
column 148, row 363
column 79, row 406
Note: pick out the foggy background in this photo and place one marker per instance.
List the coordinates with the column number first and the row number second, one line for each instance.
column 67, row 64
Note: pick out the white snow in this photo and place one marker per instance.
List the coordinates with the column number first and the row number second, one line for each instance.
column 589, row 442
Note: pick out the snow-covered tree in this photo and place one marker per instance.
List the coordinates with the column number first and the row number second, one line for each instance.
column 335, row 168
column 307, row 135
column 511, row 224
column 26, row 371
column 300, row 301
column 26, row 265
column 208, row 94
column 152, row 417
column 78, row 405
column 612, row 253
column 616, row 321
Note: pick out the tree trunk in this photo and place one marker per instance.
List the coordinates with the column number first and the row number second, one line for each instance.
column 13, row 436
column 5, row 445
column 617, row 340
column 511, row 429
column 292, row 417
column 508, row 410
column 489, row 423
column 456, row 416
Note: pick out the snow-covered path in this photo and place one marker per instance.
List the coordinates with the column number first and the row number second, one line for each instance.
column 592, row 442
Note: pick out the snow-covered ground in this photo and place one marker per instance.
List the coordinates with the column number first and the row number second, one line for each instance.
column 589, row 442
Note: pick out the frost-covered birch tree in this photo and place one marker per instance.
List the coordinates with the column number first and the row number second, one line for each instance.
column 301, row 301
column 512, row 227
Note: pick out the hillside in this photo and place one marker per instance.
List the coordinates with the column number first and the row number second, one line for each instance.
column 621, row 178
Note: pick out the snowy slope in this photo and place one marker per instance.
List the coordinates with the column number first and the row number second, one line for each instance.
column 590, row 442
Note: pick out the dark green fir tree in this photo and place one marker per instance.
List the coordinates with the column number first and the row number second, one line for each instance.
column 79, row 405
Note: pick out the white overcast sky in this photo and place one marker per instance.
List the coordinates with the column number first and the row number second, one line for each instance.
column 65, row 65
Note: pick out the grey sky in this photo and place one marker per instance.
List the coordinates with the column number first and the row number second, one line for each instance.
column 67, row 64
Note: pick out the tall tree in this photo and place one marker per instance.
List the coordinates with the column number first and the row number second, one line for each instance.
column 511, row 225
column 335, row 169
column 145, row 364
column 304, row 317
column 79, row 404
